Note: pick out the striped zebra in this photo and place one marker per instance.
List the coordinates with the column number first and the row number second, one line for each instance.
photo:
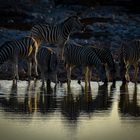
column 57, row 33
column 47, row 62
column 77, row 55
column 104, row 54
column 129, row 55
column 25, row 48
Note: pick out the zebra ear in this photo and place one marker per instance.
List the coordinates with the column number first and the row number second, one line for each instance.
column 78, row 14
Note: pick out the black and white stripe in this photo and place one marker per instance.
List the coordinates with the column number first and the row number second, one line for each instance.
column 25, row 48
column 106, row 58
column 129, row 55
column 47, row 62
column 77, row 55
column 58, row 33
column 104, row 54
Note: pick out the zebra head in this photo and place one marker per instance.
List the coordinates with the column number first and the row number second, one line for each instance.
column 77, row 25
column 74, row 24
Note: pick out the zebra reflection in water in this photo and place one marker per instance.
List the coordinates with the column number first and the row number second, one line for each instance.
column 35, row 99
column 85, row 102
column 126, row 105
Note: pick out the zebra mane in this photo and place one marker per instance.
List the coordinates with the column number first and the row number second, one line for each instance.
column 71, row 17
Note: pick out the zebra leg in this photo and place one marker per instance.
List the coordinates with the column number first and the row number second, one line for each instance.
column 122, row 71
column 106, row 75
column 60, row 51
column 86, row 76
column 107, row 72
column 29, row 69
column 80, row 75
column 127, row 73
column 43, row 77
column 136, row 72
column 68, row 75
column 56, row 79
column 48, row 85
column 15, row 69
column 35, row 69
column 14, row 73
column 35, row 66
column 89, row 76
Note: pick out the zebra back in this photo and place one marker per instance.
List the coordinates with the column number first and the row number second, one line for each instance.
column 6, row 51
column 23, row 48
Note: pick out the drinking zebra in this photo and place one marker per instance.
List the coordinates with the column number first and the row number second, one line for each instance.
column 57, row 33
column 25, row 48
column 47, row 62
column 104, row 54
column 77, row 55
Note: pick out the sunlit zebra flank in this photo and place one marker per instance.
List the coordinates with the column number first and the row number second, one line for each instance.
column 77, row 55
column 25, row 48
column 129, row 55
column 57, row 33
column 47, row 62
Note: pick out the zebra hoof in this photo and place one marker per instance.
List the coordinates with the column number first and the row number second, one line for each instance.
column 105, row 82
column 29, row 79
column 14, row 82
column 79, row 82
column 36, row 76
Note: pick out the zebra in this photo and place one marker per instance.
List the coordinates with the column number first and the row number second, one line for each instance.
column 77, row 55
column 57, row 33
column 129, row 55
column 104, row 54
column 47, row 63
column 25, row 48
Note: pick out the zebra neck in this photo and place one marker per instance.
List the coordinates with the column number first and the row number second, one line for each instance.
column 38, row 41
column 66, row 31
column 4, row 58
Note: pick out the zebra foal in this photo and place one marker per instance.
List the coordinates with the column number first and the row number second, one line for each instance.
column 47, row 63
column 25, row 48
column 129, row 55
column 77, row 55
column 57, row 33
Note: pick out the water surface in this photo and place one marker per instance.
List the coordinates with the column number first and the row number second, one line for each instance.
column 29, row 111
